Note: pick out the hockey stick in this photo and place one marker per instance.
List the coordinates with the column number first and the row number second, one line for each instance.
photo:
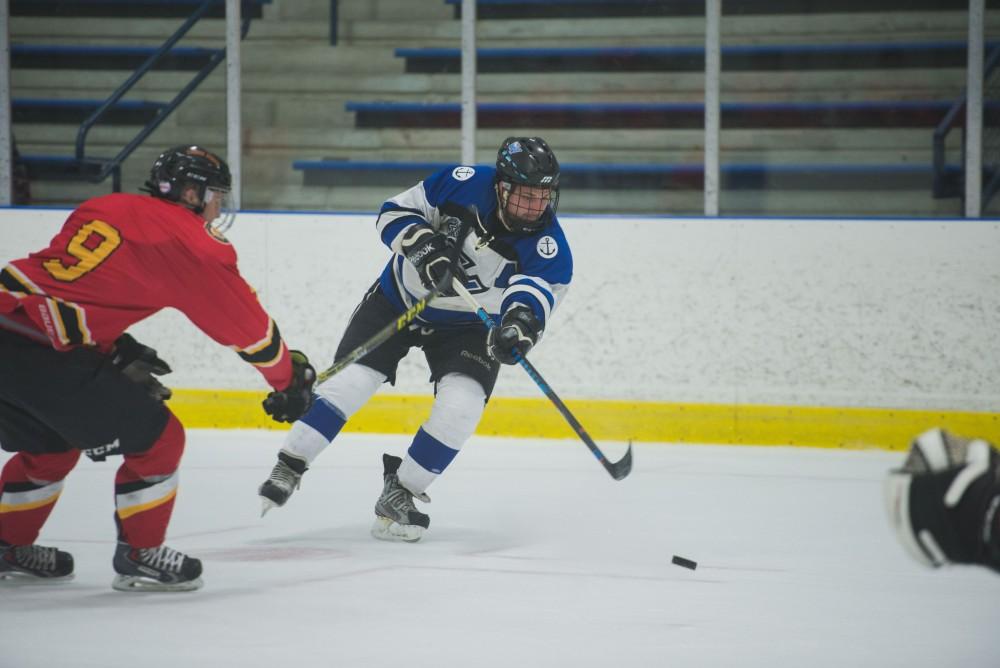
column 617, row 470
column 379, row 337
column 403, row 320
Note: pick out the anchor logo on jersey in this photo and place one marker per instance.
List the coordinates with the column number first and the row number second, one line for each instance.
column 547, row 247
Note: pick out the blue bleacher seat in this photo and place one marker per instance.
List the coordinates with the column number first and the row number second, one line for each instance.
column 127, row 8
column 528, row 9
column 57, row 56
column 654, row 115
column 691, row 58
column 641, row 176
column 60, row 168
column 46, row 110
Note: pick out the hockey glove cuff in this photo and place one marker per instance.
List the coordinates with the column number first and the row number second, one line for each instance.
column 519, row 330
column 458, row 217
column 291, row 403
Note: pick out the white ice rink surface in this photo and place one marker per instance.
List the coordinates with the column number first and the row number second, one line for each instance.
column 535, row 558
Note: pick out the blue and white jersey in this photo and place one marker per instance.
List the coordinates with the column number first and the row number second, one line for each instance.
column 503, row 269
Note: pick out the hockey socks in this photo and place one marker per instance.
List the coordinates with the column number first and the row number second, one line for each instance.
column 145, row 488
column 336, row 401
column 314, row 431
column 29, row 488
column 426, row 459
column 307, row 438
column 458, row 406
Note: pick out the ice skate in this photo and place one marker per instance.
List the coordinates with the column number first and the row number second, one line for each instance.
column 155, row 569
column 285, row 478
column 396, row 518
column 26, row 564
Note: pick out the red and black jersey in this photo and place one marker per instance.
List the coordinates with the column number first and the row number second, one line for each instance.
column 121, row 258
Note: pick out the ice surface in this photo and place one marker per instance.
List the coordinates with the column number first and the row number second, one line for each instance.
column 535, row 557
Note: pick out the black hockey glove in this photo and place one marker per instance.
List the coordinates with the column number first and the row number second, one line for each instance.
column 943, row 501
column 430, row 253
column 518, row 330
column 294, row 401
column 458, row 217
column 141, row 365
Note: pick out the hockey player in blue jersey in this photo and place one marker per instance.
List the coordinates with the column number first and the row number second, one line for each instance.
column 515, row 260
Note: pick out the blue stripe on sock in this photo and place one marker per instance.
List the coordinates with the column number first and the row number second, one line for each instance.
column 431, row 453
column 325, row 418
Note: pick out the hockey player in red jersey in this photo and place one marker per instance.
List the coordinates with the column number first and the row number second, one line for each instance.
column 74, row 381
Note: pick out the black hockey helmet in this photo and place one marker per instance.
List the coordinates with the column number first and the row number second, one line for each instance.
column 526, row 162
column 179, row 167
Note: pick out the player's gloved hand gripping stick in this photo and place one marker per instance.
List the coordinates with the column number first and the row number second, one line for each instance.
column 400, row 323
column 617, row 470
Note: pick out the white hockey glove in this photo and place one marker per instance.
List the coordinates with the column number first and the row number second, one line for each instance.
column 943, row 502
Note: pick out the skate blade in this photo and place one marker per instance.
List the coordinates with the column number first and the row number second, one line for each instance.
column 266, row 504
column 18, row 579
column 385, row 529
column 136, row 583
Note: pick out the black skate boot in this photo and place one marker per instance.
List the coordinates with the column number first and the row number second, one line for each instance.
column 396, row 518
column 155, row 569
column 285, row 478
column 34, row 563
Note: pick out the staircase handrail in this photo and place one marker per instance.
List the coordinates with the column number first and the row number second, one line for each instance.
column 114, row 164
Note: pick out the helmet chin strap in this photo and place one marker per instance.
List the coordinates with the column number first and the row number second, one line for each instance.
column 196, row 208
column 227, row 215
column 503, row 195
column 502, row 217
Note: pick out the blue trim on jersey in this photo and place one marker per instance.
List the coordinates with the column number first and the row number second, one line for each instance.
column 388, row 282
column 542, row 259
column 557, row 269
column 477, row 190
column 392, row 230
column 430, row 453
column 529, row 282
column 503, row 280
column 530, row 299
column 325, row 418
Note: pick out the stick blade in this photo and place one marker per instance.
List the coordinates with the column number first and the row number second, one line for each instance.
column 620, row 469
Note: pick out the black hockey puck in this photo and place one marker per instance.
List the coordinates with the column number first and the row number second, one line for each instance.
column 686, row 563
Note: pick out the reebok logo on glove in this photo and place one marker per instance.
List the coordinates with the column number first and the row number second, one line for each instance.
column 420, row 253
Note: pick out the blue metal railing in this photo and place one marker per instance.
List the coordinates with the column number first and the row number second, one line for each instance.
column 113, row 166
column 949, row 182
